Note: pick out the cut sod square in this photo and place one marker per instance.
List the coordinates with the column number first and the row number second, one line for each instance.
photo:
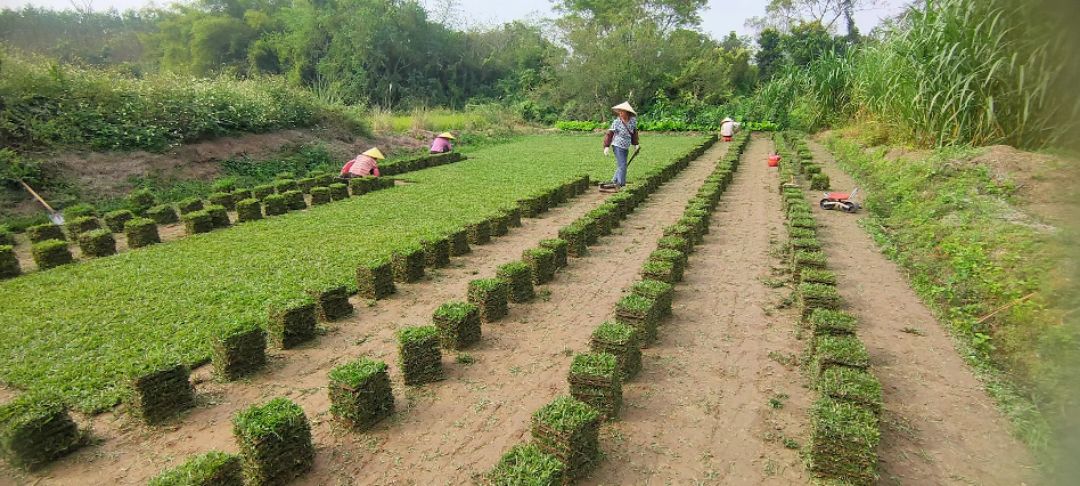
column 683, row 231
column 559, row 248
column 576, row 238
column 817, row 296
column 500, row 225
column 843, row 442
column 222, row 199
column 97, row 243
column 190, row 204
column 140, row 200
column 676, row 258
column 479, row 232
column 801, row 260
column 805, row 244
column 659, row 270
column 260, row 192
column 80, row 225
column 332, row 303
column 809, row 223
column 819, row 182
column 526, row 464
column 9, row 263
column 674, row 243
column 43, row 232
column 115, row 219
column 275, row 442
column 490, row 295
column 323, row 180
column 51, row 253
column 831, row 351
column 197, row 222
column 219, row 217
column 213, row 468
column 825, row 321
column 359, row 186
column 436, row 252
column 853, row 385
column 601, row 222
column 519, row 281
column 513, row 217
column 817, row 276
column 419, row 354
column 375, row 280
column 319, row 196
column 621, row 341
column 459, row 243
column 162, row 394
column 569, row 430
column 285, row 185
column 292, row 322
column 458, row 323
column 360, row 393
column 35, row 429
column 249, row 210
column 141, row 232
column 338, row 191
column 595, row 379
column 658, row 291
column 408, row 264
column 801, row 233
column 640, row 313
column 241, row 194
column 592, row 229
column 163, row 214
column 294, row 199
column 541, row 263
column 533, row 206
column 275, row 204
column 239, row 351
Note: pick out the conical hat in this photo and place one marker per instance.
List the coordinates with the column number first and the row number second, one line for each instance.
column 446, row 135
column 374, row 153
column 727, row 120
column 624, row 106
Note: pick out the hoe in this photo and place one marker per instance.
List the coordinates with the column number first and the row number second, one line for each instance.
column 841, row 200
column 609, row 187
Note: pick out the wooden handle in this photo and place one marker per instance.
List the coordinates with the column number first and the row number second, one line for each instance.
column 36, row 196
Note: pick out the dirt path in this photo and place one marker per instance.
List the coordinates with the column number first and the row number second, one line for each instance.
column 443, row 433
column 700, row 411
column 939, row 426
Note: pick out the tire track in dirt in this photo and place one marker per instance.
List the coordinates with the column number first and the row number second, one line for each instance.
column 699, row 412
column 939, row 426
column 440, row 433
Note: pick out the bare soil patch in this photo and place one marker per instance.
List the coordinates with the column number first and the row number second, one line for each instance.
column 939, row 426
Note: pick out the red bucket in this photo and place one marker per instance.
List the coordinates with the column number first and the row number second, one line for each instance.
column 774, row 160
column 727, row 139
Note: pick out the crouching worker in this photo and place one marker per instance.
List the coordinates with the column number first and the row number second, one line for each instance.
column 365, row 164
column 441, row 144
column 728, row 127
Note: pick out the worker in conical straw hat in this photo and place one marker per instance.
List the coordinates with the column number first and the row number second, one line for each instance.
column 619, row 138
column 728, row 127
column 441, row 144
column 365, row 164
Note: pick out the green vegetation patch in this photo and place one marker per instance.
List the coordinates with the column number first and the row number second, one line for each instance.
column 35, row 429
column 569, row 430
column 659, row 270
column 595, row 379
column 843, row 442
column 360, row 393
column 275, row 205
column 408, row 264
column 419, row 354
column 817, row 276
column 162, row 394
column 275, row 442
column 519, row 281
column 51, row 253
column 249, row 210
column 541, row 262
column 676, row 258
column 82, row 224
column 115, row 219
column 842, row 350
column 621, row 341
column 239, row 351
column 527, row 465
column 436, row 252
column 661, row 293
column 853, row 385
column 9, row 263
column 491, row 296
column 43, row 232
column 141, row 232
column 213, row 468
column 459, row 243
column 576, row 237
column 320, row 196
column 458, row 323
column 818, row 296
column 479, row 232
column 674, row 243
column 826, row 321
column 560, row 249
column 332, row 304
column 219, row 217
column 375, row 280
column 163, row 214
column 292, row 322
column 641, row 313
column 197, row 222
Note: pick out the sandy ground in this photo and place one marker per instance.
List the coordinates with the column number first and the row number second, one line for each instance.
column 939, row 425
column 444, row 433
column 700, row 411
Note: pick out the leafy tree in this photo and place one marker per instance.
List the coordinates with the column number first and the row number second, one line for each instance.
column 770, row 54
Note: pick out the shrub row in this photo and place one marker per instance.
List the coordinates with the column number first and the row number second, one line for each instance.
column 844, row 420
column 422, row 162
column 564, row 432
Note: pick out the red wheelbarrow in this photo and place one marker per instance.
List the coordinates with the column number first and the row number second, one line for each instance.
column 843, row 201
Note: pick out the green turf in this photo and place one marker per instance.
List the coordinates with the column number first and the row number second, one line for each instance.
column 81, row 329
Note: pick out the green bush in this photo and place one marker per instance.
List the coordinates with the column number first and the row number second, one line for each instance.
column 213, row 468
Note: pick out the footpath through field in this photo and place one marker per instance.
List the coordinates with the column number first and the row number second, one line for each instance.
column 719, row 392
column 441, row 433
column 939, row 425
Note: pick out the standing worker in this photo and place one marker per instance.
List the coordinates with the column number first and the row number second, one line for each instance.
column 728, row 127
column 363, row 165
column 441, row 144
column 622, row 134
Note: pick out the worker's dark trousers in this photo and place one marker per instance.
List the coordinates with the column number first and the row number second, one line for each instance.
column 620, row 166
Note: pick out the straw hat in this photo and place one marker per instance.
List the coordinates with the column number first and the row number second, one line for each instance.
column 374, row 153
column 728, row 119
column 624, row 106
column 446, row 135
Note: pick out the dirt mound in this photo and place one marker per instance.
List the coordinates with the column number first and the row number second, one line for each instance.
column 1043, row 182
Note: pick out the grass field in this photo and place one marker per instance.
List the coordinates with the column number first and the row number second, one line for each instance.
column 80, row 330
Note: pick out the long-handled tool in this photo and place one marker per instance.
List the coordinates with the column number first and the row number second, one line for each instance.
column 609, row 187
column 55, row 217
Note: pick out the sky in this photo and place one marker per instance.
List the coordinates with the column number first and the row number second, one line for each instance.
column 721, row 17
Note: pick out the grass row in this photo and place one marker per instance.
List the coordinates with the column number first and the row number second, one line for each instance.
column 88, row 328
column 565, row 445
column 845, row 418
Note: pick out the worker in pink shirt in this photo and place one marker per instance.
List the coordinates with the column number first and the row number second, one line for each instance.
column 441, row 144
column 365, row 164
